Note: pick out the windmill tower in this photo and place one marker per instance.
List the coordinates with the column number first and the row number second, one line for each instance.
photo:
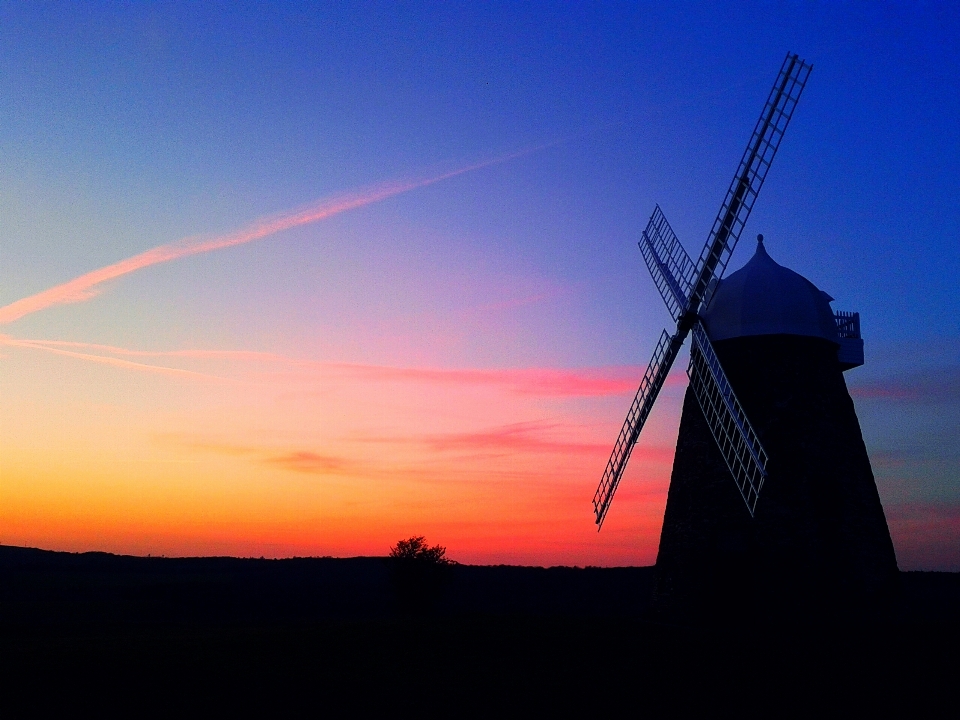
column 766, row 408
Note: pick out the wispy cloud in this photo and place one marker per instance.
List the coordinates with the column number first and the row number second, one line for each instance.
column 295, row 460
column 456, row 448
column 88, row 285
column 116, row 350
column 945, row 512
column 887, row 460
column 514, row 303
column 926, row 534
column 304, row 461
column 930, row 385
column 530, row 437
column 540, row 382
column 107, row 360
column 537, row 437
column 544, row 382
column 940, row 445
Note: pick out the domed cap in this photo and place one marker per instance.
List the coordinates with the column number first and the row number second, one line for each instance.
column 764, row 298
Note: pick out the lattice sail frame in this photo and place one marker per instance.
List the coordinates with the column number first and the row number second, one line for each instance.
column 738, row 443
column 672, row 269
column 686, row 294
column 750, row 175
column 653, row 379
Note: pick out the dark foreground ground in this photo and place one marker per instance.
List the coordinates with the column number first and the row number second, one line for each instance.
column 329, row 637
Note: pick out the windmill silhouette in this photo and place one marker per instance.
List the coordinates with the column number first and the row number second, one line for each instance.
column 766, row 405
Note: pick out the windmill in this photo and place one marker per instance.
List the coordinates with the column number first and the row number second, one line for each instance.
column 819, row 528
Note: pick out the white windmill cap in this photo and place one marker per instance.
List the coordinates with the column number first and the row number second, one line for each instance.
column 765, row 298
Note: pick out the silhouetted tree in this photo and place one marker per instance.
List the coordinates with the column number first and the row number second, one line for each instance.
column 419, row 572
column 415, row 549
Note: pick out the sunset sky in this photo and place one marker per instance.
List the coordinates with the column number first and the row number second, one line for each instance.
column 284, row 279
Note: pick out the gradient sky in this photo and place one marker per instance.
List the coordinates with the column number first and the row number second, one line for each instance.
column 303, row 280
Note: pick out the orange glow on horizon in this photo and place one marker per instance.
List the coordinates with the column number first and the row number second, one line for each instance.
column 497, row 465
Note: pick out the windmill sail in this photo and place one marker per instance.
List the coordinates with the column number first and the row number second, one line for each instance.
column 729, row 425
column 686, row 289
column 653, row 380
column 672, row 269
column 750, row 175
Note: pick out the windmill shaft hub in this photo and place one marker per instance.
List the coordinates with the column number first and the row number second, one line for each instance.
column 687, row 321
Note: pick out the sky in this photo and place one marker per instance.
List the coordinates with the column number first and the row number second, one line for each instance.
column 292, row 279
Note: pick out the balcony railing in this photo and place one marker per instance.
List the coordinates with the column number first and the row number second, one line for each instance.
column 848, row 324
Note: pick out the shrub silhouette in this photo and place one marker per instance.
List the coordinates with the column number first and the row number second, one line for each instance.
column 415, row 549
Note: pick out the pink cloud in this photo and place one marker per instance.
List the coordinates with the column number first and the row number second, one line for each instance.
column 541, row 382
column 544, row 382
column 86, row 286
column 947, row 512
column 524, row 437
column 515, row 437
column 515, row 303
column 296, row 460
column 887, row 460
column 932, row 385
column 304, row 461
column 926, row 535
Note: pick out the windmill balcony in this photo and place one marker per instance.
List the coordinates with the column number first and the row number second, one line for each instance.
column 850, row 352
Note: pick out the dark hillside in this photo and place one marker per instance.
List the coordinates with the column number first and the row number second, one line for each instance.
column 154, row 636
column 50, row 587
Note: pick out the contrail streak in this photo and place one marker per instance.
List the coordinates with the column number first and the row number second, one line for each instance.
column 544, row 381
column 104, row 360
column 194, row 354
column 85, row 287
